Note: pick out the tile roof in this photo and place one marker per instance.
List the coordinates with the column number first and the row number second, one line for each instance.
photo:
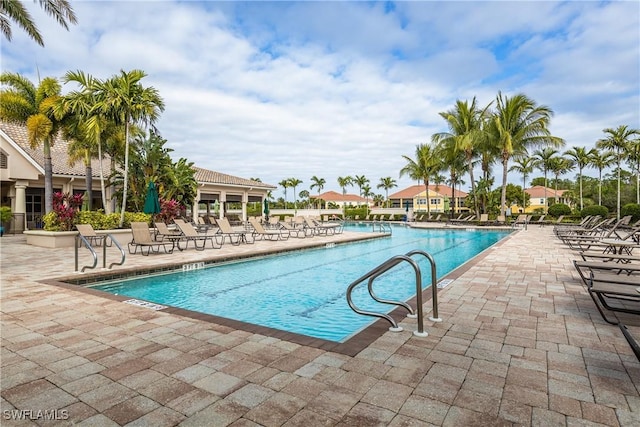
column 213, row 177
column 59, row 157
column 60, row 160
column 538, row 191
column 414, row 190
column 334, row 196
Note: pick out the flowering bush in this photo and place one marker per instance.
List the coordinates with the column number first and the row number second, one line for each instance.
column 65, row 207
column 169, row 209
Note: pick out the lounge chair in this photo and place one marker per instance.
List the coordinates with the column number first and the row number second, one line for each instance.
column 190, row 234
column 142, row 240
column 609, row 283
column 235, row 236
column 293, row 231
column 260, row 232
column 87, row 231
column 500, row 220
column 319, row 229
column 484, row 219
column 522, row 219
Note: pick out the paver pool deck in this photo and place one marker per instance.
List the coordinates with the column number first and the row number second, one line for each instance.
column 520, row 344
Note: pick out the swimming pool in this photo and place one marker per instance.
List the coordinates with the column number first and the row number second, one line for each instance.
column 303, row 292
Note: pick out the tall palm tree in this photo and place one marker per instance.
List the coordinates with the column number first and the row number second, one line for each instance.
column 387, row 183
column 425, row 165
column 518, row 124
column 582, row 159
column 294, row 182
column 545, row 159
column 618, row 141
column 601, row 160
column 126, row 101
column 344, row 182
column 633, row 156
column 366, row 193
column 319, row 184
column 465, row 124
column 82, row 105
column 14, row 10
column 23, row 103
column 524, row 165
column 360, row 181
column 560, row 166
column 285, row 184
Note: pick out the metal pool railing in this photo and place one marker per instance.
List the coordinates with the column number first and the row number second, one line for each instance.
column 80, row 239
column 386, row 266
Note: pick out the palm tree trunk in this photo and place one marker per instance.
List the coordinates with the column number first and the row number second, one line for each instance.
column 580, row 189
column 503, row 195
column 599, row 187
column 426, row 186
column 107, row 209
column 473, row 185
column 618, row 205
column 126, row 171
column 89, row 184
column 48, row 177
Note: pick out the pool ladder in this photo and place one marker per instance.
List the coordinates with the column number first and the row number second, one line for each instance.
column 386, row 266
column 80, row 239
column 380, row 227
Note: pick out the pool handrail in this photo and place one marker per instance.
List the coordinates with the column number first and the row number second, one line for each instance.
column 434, row 285
column 376, row 272
column 80, row 238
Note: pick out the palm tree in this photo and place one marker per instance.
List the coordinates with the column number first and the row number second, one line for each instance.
column 24, row 103
column 294, row 182
column 126, row 101
column 560, row 166
column 425, row 165
column 465, row 133
column 285, row 184
column 524, row 165
column 387, row 183
column 360, row 181
column 517, row 124
column 545, row 159
column 344, row 182
column 633, row 156
column 582, row 159
column 319, row 184
column 15, row 11
column 618, row 141
column 601, row 160
column 366, row 193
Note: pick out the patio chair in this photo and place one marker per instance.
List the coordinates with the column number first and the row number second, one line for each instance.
column 293, row 231
column 260, row 232
column 87, row 231
column 319, row 229
column 500, row 220
column 522, row 219
column 190, row 234
column 235, row 236
column 484, row 219
column 142, row 239
column 612, row 287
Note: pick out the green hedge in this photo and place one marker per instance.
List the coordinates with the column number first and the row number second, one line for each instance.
column 98, row 220
column 595, row 210
column 632, row 209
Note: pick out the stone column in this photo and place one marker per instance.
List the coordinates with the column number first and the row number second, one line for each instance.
column 20, row 205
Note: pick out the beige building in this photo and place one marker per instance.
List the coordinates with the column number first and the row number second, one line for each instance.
column 22, row 181
column 539, row 199
column 341, row 200
column 438, row 199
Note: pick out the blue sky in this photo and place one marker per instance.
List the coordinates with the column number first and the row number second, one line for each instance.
column 294, row 89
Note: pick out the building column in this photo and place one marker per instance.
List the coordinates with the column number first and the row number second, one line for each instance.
column 20, row 204
column 245, row 200
column 223, row 204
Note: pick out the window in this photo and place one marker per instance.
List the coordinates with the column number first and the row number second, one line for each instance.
column 3, row 161
column 434, row 201
column 422, row 201
column 542, row 201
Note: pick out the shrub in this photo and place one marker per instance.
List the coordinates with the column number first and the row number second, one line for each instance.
column 632, row 209
column 5, row 214
column 559, row 209
column 595, row 210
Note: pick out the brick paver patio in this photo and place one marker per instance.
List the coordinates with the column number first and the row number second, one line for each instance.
column 521, row 344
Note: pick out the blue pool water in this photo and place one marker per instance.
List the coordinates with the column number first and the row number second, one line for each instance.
column 304, row 291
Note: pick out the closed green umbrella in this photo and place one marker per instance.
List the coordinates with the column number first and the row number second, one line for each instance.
column 151, row 202
column 266, row 208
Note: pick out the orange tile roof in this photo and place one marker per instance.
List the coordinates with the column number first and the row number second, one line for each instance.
column 537, row 191
column 334, row 196
column 414, row 190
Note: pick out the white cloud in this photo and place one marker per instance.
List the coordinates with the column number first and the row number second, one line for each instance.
column 295, row 89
